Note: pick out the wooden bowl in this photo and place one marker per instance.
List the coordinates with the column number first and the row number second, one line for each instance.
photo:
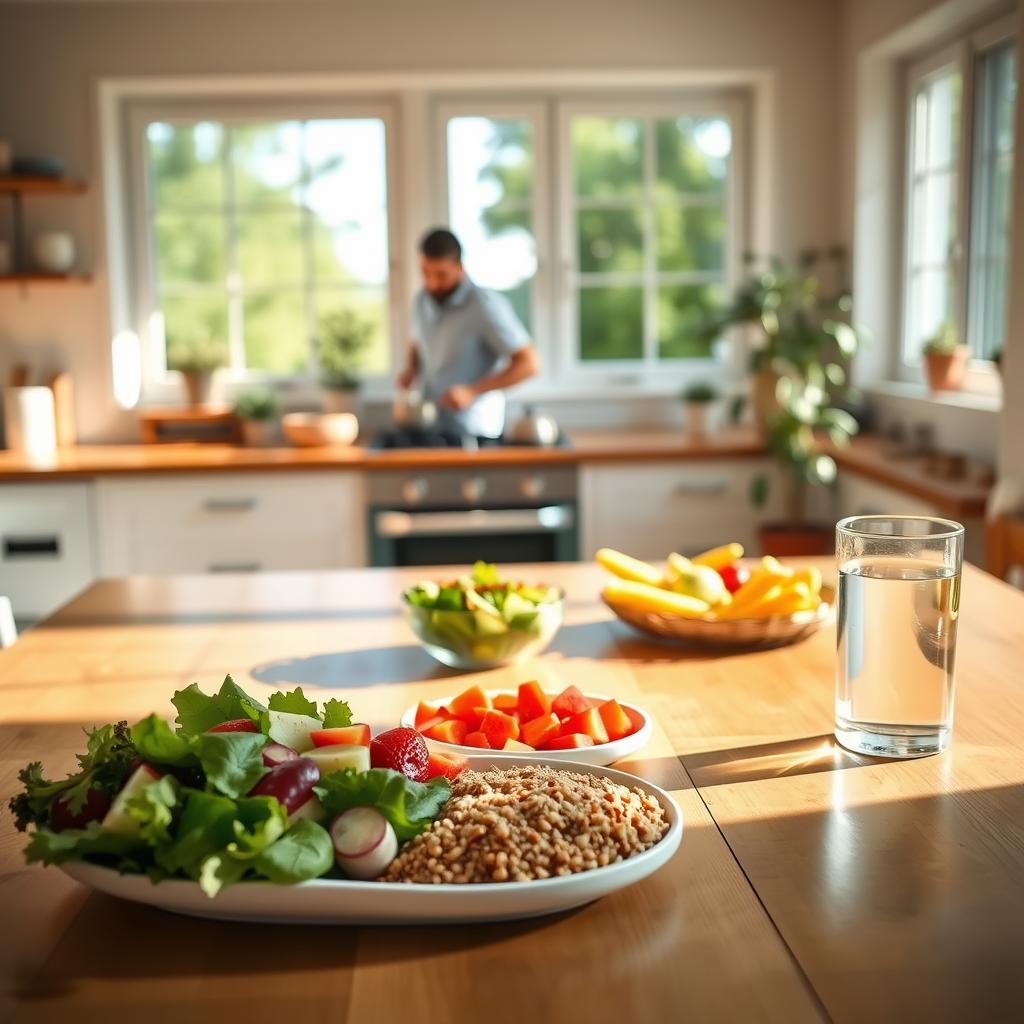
column 312, row 429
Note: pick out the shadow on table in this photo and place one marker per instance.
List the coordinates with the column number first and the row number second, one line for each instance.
column 806, row 755
column 608, row 639
column 373, row 666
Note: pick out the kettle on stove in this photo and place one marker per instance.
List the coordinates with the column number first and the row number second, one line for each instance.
column 533, row 428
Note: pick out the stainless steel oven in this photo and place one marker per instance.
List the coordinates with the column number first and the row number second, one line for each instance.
column 452, row 516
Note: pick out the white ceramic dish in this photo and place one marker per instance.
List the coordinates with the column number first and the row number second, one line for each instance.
column 326, row 901
column 599, row 754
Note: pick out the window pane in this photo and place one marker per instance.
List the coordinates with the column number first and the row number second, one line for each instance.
column 189, row 248
column 370, row 308
column 988, row 261
column 691, row 238
column 943, row 119
column 607, row 154
column 275, row 332
column 611, row 323
column 195, row 324
column 693, row 154
column 353, row 251
column 682, row 311
column 930, row 304
column 269, row 247
column 490, row 188
column 185, row 163
column 610, row 240
column 267, row 162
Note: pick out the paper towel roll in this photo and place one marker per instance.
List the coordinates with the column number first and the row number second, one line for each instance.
column 29, row 421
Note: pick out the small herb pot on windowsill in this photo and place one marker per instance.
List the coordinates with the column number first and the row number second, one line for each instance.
column 259, row 411
column 945, row 360
column 697, row 398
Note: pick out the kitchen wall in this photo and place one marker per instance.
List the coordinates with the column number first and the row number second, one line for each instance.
column 53, row 54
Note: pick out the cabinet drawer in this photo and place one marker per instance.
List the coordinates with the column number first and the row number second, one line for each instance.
column 652, row 509
column 232, row 523
column 46, row 546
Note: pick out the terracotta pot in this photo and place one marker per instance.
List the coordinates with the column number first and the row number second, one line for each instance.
column 697, row 420
column 946, row 370
column 259, row 433
column 788, row 540
column 338, row 401
column 763, row 402
column 197, row 386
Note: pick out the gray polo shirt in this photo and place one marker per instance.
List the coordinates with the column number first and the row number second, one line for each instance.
column 468, row 336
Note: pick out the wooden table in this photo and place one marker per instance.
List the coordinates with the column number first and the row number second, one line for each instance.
column 811, row 884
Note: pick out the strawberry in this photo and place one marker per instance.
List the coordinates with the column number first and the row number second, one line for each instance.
column 402, row 750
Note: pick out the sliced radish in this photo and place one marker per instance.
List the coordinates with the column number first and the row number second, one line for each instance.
column 278, row 753
column 364, row 842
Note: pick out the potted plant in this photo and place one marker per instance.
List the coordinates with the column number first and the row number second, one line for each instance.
column 342, row 342
column 802, row 346
column 196, row 360
column 258, row 410
column 945, row 359
column 696, row 399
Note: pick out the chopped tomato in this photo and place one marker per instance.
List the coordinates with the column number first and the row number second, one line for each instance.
column 533, row 701
column 616, row 722
column 358, row 734
column 570, row 702
column 499, row 727
column 464, row 706
column 236, row 725
column 507, row 702
column 424, row 712
column 477, row 739
column 571, row 742
column 538, row 731
column 452, row 731
column 734, row 576
column 587, row 722
column 429, row 724
column 445, row 763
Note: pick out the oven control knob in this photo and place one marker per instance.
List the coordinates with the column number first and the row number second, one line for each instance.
column 532, row 487
column 473, row 489
column 414, row 490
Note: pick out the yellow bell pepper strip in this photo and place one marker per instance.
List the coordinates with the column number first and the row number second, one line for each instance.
column 720, row 557
column 761, row 583
column 811, row 575
column 628, row 568
column 794, row 598
column 643, row 597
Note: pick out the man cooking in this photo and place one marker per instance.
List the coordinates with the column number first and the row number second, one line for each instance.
column 469, row 345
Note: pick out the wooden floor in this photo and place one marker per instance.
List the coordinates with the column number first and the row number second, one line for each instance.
column 810, row 885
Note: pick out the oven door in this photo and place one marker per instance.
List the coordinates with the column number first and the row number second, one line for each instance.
column 453, row 537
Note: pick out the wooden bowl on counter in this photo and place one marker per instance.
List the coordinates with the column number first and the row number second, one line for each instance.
column 314, row 429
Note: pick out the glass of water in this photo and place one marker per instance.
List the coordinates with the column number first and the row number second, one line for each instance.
column 899, row 601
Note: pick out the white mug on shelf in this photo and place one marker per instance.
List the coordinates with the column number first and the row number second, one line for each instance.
column 54, row 251
column 29, row 421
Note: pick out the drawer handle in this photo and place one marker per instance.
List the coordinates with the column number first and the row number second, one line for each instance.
column 234, row 567
column 43, row 546
column 701, row 487
column 229, row 504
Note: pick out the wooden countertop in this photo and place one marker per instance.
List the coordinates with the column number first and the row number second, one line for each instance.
column 587, row 446
column 811, row 884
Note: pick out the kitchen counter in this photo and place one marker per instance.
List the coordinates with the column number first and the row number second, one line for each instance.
column 811, row 884
column 587, row 446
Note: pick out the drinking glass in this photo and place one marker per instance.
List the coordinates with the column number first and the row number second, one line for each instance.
column 899, row 601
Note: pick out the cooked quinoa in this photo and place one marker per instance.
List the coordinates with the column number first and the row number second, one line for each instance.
column 527, row 822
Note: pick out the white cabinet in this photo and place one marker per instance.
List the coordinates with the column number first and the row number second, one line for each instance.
column 649, row 509
column 46, row 545
column 231, row 522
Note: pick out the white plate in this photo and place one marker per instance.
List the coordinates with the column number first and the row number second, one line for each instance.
column 599, row 754
column 325, row 901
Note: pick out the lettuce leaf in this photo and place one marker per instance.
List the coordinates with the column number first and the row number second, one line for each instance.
column 485, row 574
column 259, row 821
column 206, row 826
column 94, row 843
column 303, row 852
column 158, row 743
column 337, row 714
column 154, row 810
column 294, row 702
column 409, row 806
column 198, row 711
column 231, row 761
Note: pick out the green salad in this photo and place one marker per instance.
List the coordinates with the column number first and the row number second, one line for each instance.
column 222, row 796
column 482, row 618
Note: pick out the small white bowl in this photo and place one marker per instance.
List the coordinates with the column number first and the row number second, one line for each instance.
column 312, row 429
column 600, row 754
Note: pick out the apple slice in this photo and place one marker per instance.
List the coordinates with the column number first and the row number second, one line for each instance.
column 117, row 819
column 311, row 810
column 339, row 756
column 364, row 842
column 293, row 730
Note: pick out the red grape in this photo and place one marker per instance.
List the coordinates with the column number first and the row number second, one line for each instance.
column 290, row 782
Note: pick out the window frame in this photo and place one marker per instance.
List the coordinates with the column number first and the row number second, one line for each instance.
column 964, row 54
column 537, row 112
column 159, row 383
column 649, row 368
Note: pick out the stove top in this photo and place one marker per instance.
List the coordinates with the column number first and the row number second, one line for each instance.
column 404, row 437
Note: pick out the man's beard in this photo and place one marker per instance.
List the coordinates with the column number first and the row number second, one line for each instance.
column 441, row 296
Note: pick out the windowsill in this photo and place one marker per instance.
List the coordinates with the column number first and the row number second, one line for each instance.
column 973, row 400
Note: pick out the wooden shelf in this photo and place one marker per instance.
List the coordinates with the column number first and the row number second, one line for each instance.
column 41, row 277
column 34, row 185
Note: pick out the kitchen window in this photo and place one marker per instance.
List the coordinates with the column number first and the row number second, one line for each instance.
column 959, row 169
column 258, row 229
